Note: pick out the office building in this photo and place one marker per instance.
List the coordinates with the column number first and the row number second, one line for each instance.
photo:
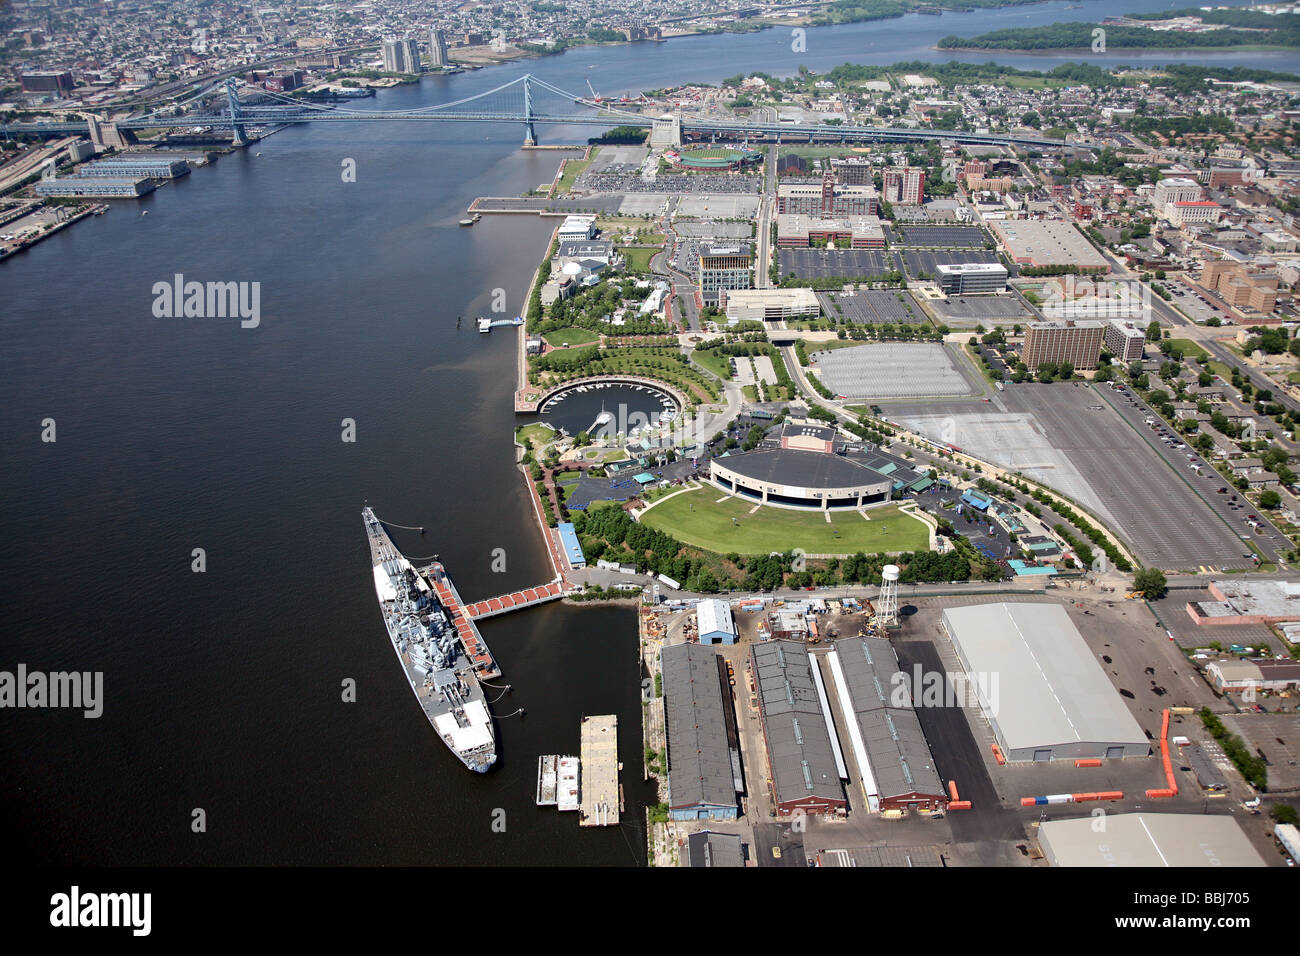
column 95, row 187
column 1175, row 189
column 797, row 231
column 135, row 167
column 827, row 199
column 723, row 267
column 904, row 185
column 966, row 278
column 853, row 171
column 50, row 81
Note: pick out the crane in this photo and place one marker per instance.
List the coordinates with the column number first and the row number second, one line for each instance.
column 594, row 95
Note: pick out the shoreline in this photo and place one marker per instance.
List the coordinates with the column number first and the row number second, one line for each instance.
column 1085, row 51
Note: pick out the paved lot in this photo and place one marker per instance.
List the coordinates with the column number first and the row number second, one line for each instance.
column 891, row 369
column 957, row 757
column 712, row 229
column 986, row 309
column 943, row 236
column 871, row 306
column 1172, row 611
column 925, row 261
column 835, row 263
column 1168, row 524
column 719, row 206
column 1271, row 542
column 646, row 204
column 1277, row 736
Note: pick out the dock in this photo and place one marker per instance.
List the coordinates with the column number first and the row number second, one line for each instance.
column 599, row 793
column 515, row 601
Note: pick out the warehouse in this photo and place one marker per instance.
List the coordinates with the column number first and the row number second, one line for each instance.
column 701, row 778
column 1057, row 703
column 804, row 760
column 1050, row 242
column 716, row 625
column 1148, row 839
column 894, row 760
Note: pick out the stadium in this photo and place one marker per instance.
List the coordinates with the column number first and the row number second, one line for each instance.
column 717, row 159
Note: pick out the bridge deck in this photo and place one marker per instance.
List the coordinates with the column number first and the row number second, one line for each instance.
column 515, row 601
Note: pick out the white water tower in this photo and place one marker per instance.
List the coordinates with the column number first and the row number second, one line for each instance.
column 887, row 606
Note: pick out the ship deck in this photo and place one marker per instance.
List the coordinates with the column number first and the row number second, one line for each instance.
column 476, row 648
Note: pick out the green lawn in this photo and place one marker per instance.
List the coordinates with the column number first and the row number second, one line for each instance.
column 566, row 476
column 715, row 362
column 570, row 336
column 1190, row 349
column 534, row 436
column 1220, row 369
column 638, row 259
column 572, row 170
column 710, row 527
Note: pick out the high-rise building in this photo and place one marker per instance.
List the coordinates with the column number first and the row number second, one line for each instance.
column 964, row 278
column 1125, row 340
column 904, row 185
column 1078, row 343
column 852, row 171
column 438, row 48
column 401, row 56
column 724, row 267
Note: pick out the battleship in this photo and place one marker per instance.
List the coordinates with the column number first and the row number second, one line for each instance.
column 442, row 671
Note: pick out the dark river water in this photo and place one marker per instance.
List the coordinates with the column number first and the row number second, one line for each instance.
column 223, row 689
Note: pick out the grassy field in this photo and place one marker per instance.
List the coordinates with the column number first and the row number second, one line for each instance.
column 1220, row 369
column 535, row 436
column 1189, row 349
column 715, row 362
column 638, row 260
column 570, row 336
column 709, row 526
column 572, row 170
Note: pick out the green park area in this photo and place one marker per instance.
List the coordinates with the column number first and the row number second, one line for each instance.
column 1191, row 351
column 534, row 437
column 638, row 258
column 698, row 519
column 563, row 338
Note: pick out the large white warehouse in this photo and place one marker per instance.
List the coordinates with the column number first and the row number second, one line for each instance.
column 1039, row 685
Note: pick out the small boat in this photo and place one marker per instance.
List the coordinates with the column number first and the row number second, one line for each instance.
column 467, row 222
column 484, row 325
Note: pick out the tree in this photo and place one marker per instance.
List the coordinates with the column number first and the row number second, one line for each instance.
column 1151, row 582
column 1153, row 331
column 1268, row 498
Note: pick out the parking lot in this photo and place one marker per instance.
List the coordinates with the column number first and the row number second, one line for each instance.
column 712, row 229
column 926, row 262
column 982, row 309
column 835, row 263
column 1232, row 510
column 891, row 370
column 1168, row 525
column 867, row 307
column 948, row 237
column 719, row 206
column 1277, row 736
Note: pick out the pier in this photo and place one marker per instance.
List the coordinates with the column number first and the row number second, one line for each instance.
column 600, row 797
column 515, row 601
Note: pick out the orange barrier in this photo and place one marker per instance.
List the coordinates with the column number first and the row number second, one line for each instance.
column 1164, row 753
column 1111, row 795
column 1027, row 801
column 1091, row 762
column 952, row 789
column 1161, row 794
column 959, row 805
column 997, row 755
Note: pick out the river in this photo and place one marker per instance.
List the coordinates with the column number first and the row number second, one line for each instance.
column 224, row 689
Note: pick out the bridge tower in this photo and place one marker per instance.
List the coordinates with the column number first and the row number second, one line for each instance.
column 232, row 101
column 530, row 134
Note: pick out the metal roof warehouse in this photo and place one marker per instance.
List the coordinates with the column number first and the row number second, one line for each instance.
column 701, row 782
column 1040, row 687
column 805, row 768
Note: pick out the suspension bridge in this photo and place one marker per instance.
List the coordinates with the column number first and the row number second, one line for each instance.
column 526, row 100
